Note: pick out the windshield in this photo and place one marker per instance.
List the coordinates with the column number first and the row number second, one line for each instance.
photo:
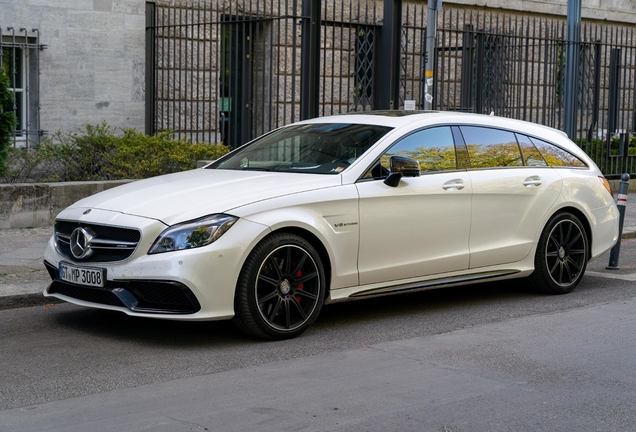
column 319, row 148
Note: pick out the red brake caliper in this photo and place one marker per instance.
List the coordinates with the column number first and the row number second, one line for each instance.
column 299, row 286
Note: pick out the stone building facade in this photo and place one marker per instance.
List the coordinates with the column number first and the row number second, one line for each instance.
column 86, row 67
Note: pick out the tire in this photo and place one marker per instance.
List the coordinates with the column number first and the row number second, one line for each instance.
column 562, row 255
column 281, row 288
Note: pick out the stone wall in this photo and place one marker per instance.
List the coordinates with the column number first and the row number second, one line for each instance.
column 93, row 67
column 617, row 11
column 37, row 204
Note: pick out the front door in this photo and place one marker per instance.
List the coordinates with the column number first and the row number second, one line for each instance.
column 422, row 226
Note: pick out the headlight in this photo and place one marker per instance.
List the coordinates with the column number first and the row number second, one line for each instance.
column 192, row 234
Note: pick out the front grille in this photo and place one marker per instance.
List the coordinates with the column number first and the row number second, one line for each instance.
column 169, row 296
column 88, row 294
column 166, row 293
column 109, row 243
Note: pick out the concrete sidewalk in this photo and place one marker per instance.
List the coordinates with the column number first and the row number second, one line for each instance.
column 22, row 273
column 23, row 277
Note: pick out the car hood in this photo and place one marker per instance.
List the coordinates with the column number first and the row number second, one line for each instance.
column 188, row 195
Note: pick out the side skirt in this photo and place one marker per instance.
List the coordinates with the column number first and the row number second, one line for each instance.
column 429, row 284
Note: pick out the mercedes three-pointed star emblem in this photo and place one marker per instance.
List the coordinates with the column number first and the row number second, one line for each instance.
column 81, row 243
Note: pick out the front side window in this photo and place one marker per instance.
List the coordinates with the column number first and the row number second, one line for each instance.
column 433, row 148
column 319, row 148
column 489, row 147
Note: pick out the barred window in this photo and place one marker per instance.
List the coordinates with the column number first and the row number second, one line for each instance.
column 19, row 60
column 364, row 66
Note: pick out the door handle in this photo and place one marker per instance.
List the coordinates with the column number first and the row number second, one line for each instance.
column 457, row 184
column 533, row 181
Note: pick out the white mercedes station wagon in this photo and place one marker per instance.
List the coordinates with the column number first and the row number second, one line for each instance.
column 338, row 208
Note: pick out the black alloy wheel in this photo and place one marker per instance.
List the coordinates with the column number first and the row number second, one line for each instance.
column 281, row 288
column 562, row 255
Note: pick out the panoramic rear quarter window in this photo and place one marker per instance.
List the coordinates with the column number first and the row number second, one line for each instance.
column 531, row 155
column 556, row 156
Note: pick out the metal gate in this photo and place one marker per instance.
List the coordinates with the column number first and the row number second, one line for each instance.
column 227, row 71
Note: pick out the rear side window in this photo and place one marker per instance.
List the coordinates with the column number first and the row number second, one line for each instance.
column 433, row 148
column 556, row 156
column 531, row 154
column 489, row 147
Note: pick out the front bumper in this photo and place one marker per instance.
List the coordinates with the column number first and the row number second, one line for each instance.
column 191, row 284
column 142, row 296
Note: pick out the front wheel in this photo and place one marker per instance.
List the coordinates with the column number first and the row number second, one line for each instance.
column 281, row 288
column 562, row 255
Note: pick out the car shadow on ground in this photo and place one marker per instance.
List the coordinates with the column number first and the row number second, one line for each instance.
column 395, row 312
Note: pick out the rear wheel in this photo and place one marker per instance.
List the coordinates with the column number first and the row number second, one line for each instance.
column 281, row 288
column 562, row 255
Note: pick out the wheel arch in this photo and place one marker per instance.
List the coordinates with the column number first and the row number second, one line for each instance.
column 583, row 219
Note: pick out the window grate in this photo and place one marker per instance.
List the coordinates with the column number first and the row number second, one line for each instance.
column 20, row 61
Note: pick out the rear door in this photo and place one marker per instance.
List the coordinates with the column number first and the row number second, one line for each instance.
column 512, row 191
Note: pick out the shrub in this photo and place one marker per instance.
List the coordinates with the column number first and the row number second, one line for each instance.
column 141, row 156
column 23, row 164
column 98, row 153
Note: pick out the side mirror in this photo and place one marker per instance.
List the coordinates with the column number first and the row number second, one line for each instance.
column 401, row 166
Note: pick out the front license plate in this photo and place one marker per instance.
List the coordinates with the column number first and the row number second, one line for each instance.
column 82, row 275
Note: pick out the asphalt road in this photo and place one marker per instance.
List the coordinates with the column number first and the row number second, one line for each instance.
column 482, row 357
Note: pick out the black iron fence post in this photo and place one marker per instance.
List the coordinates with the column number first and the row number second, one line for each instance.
column 614, row 96
column 310, row 59
column 591, row 133
column 572, row 66
column 479, row 67
column 468, row 67
column 386, row 88
column 621, row 201
column 151, row 69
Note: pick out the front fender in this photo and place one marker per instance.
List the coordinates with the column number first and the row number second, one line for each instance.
column 331, row 215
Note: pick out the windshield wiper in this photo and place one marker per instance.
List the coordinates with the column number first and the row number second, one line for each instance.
column 255, row 169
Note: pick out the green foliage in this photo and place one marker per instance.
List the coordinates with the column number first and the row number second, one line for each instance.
column 8, row 121
column 141, row 156
column 430, row 158
column 23, row 164
column 600, row 145
column 199, row 236
column 99, row 153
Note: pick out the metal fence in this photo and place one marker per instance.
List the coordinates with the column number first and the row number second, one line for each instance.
column 514, row 66
column 228, row 71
